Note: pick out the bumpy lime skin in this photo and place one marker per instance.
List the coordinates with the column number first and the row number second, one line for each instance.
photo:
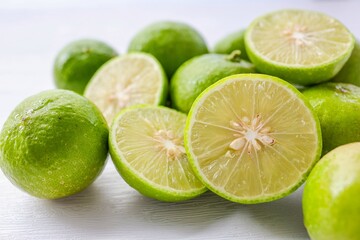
column 331, row 203
column 54, row 144
column 338, row 107
column 198, row 73
column 77, row 62
column 172, row 43
column 350, row 73
column 233, row 41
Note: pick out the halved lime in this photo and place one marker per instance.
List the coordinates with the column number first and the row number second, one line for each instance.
column 302, row 47
column 131, row 79
column 252, row 138
column 147, row 148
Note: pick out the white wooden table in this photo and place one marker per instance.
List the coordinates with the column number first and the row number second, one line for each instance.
column 32, row 32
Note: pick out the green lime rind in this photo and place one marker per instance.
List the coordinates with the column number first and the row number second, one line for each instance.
column 198, row 73
column 134, row 178
column 350, row 73
column 232, row 42
column 54, row 144
column 297, row 74
column 337, row 106
column 77, row 62
column 172, row 43
column 193, row 161
column 330, row 198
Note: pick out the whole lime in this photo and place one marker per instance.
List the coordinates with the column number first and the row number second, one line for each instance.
column 338, row 108
column 172, row 43
column 77, row 62
column 331, row 203
column 54, row 144
column 350, row 73
column 231, row 42
column 198, row 73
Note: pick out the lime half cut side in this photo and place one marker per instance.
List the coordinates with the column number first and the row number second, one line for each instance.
column 147, row 147
column 252, row 138
column 302, row 47
column 135, row 78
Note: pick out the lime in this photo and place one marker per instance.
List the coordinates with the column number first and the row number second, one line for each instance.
column 232, row 42
column 252, row 138
column 302, row 47
column 131, row 79
column 338, row 107
column 350, row 73
column 198, row 73
column 172, row 43
column 54, row 144
column 77, row 62
column 331, row 203
column 147, row 147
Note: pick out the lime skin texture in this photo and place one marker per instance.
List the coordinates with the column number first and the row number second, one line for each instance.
column 232, row 42
column 338, row 107
column 198, row 73
column 331, row 195
column 77, row 62
column 350, row 73
column 172, row 43
column 54, row 144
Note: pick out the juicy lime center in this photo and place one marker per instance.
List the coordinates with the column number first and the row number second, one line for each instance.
column 169, row 143
column 251, row 135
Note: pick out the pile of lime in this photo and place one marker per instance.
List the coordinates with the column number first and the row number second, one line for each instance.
column 234, row 122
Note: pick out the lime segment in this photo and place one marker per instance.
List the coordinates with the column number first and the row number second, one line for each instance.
column 252, row 138
column 128, row 80
column 148, row 150
column 302, row 47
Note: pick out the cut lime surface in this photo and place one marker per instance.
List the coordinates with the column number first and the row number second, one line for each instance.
column 302, row 47
column 135, row 78
column 147, row 147
column 252, row 138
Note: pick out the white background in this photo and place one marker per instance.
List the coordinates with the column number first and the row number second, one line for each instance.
column 32, row 32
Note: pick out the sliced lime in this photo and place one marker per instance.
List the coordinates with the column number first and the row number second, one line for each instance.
column 147, row 147
column 252, row 138
column 303, row 47
column 131, row 79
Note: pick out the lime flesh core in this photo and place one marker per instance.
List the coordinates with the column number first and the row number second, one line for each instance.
column 147, row 148
column 331, row 195
column 350, row 73
column 77, row 62
column 338, row 107
column 252, row 138
column 302, row 47
column 54, row 144
column 232, row 42
column 172, row 43
column 198, row 73
column 131, row 79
